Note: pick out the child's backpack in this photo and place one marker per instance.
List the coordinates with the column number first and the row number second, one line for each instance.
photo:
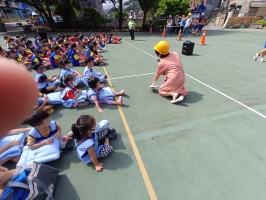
column 37, row 182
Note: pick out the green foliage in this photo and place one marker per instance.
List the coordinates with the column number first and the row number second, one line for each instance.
column 173, row 7
column 263, row 22
column 116, row 15
column 93, row 17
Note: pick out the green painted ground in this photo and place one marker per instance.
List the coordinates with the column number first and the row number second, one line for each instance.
column 207, row 147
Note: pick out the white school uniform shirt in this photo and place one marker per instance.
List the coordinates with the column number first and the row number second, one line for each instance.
column 188, row 22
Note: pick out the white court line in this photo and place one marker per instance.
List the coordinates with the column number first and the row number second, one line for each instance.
column 132, row 76
column 212, row 88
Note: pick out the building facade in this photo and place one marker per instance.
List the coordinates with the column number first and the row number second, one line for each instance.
column 249, row 7
column 15, row 10
column 92, row 4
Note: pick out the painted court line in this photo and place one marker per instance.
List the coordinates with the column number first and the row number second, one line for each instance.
column 135, row 148
column 131, row 76
column 210, row 87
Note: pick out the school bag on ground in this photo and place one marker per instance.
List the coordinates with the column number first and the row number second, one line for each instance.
column 37, row 182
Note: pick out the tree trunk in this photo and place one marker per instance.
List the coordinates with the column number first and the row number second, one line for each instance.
column 144, row 20
column 40, row 9
column 120, row 14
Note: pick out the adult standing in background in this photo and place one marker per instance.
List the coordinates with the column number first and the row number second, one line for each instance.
column 182, row 23
column 177, row 24
column 169, row 24
column 131, row 27
column 39, row 26
column 187, row 26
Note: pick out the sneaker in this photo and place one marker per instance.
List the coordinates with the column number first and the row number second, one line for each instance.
column 181, row 98
column 111, row 130
column 51, row 111
column 256, row 56
column 105, row 77
column 111, row 136
column 261, row 60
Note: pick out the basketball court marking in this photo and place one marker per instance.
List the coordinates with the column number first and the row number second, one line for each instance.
column 210, row 87
column 135, row 148
column 121, row 77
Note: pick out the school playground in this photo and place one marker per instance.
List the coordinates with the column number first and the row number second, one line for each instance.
column 211, row 146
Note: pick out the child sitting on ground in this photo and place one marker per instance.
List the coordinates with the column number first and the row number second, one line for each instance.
column 99, row 95
column 89, row 72
column 44, row 131
column 36, row 58
column 55, row 57
column 12, row 143
column 66, row 70
column 44, row 106
column 259, row 56
column 74, row 57
column 70, row 95
column 97, row 58
column 45, row 85
column 87, row 135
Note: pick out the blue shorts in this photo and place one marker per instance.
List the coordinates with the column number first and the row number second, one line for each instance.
column 201, row 27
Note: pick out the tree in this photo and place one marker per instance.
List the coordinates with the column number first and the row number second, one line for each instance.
column 93, row 17
column 146, row 5
column 69, row 13
column 44, row 10
column 173, row 7
column 120, row 11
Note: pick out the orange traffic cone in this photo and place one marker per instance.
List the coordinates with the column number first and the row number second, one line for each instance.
column 164, row 33
column 179, row 35
column 150, row 30
column 202, row 40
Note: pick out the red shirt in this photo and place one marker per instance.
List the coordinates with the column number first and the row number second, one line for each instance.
column 70, row 94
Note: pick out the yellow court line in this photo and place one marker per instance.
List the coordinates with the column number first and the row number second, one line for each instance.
column 135, row 148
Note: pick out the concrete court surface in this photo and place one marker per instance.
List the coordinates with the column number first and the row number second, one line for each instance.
column 212, row 146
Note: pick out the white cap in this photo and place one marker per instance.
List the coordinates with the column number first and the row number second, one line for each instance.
column 202, row 13
column 130, row 17
column 170, row 16
column 34, row 14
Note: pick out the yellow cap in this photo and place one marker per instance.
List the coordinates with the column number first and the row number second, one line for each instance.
column 162, row 47
column 189, row 14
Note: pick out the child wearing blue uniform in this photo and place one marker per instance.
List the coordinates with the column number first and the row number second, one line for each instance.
column 88, row 133
column 97, row 94
column 46, row 85
column 71, row 96
column 74, row 57
column 44, row 131
column 89, row 72
column 66, row 70
column 55, row 57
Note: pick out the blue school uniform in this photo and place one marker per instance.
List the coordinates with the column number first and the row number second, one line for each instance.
column 74, row 58
column 39, row 45
column 88, row 73
column 65, row 72
column 88, row 52
column 41, row 78
column 34, row 133
column 32, row 49
column 35, row 59
column 85, row 144
column 20, row 56
column 54, row 59
column 102, row 94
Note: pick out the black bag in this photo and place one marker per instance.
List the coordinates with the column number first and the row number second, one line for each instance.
column 188, row 48
column 37, row 182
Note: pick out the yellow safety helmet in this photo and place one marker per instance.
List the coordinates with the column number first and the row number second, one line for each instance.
column 162, row 47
